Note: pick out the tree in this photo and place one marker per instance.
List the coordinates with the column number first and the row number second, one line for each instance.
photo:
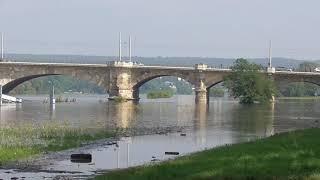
column 248, row 84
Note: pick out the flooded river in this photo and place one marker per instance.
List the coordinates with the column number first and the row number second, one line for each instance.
column 174, row 124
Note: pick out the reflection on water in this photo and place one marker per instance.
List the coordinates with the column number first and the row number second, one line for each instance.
column 223, row 121
column 179, row 111
column 200, row 123
column 121, row 115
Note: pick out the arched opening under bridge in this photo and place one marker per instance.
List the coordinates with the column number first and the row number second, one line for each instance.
column 163, row 86
column 218, row 90
column 298, row 89
column 40, row 84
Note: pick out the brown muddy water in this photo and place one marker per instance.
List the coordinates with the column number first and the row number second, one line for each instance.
column 154, row 127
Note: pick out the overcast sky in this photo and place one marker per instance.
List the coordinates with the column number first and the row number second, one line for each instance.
column 207, row 28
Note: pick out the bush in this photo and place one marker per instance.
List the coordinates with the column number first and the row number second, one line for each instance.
column 160, row 94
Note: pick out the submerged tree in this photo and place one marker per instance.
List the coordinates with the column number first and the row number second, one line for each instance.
column 248, row 84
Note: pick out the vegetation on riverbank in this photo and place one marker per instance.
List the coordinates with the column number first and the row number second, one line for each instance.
column 159, row 94
column 293, row 155
column 21, row 142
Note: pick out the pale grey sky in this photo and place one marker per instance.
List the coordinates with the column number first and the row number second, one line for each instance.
column 207, row 28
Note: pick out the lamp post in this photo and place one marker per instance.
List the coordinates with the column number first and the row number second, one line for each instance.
column 2, row 54
column 0, row 95
column 52, row 99
column 120, row 46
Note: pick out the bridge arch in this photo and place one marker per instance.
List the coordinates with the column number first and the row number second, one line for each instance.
column 19, row 75
column 139, row 83
column 140, row 77
column 214, row 84
column 143, row 76
column 18, row 81
column 298, row 88
column 284, row 81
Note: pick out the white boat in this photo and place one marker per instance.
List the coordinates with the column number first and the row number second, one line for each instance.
column 11, row 99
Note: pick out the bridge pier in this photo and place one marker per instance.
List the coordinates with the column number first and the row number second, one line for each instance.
column 126, row 94
column 201, row 97
column 201, row 93
column 121, row 81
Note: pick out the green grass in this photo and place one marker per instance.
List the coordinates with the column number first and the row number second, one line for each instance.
column 22, row 142
column 159, row 94
column 294, row 155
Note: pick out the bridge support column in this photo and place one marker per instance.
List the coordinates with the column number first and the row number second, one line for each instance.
column 126, row 94
column 201, row 96
column 201, row 93
column 121, row 81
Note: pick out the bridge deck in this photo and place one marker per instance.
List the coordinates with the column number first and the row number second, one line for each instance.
column 145, row 67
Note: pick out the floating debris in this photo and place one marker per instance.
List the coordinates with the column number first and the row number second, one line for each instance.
column 154, row 160
column 171, row 153
column 111, row 143
column 81, row 158
column 183, row 134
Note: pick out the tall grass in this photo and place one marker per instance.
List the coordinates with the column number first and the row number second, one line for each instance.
column 24, row 141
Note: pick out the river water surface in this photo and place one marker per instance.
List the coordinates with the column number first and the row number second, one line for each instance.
column 224, row 121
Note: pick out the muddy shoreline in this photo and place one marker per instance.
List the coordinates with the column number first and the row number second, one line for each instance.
column 39, row 163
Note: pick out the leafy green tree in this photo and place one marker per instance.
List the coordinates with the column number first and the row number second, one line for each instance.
column 248, row 84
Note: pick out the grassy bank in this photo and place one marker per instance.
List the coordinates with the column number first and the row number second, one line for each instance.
column 160, row 94
column 22, row 142
column 294, row 155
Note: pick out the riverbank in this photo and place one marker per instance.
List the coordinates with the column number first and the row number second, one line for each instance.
column 18, row 143
column 292, row 155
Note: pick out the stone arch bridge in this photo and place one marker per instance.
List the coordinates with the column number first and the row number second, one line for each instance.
column 123, row 79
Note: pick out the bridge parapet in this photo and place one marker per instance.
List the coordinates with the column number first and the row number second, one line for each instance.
column 271, row 70
column 200, row 66
column 120, row 64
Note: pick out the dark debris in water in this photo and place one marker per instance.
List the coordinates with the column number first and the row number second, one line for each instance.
column 81, row 158
column 171, row 153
